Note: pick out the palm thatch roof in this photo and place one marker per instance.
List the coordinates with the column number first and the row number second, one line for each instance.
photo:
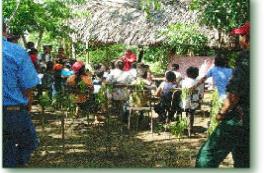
column 123, row 21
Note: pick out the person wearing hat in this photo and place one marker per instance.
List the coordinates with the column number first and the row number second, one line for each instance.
column 83, row 85
column 232, row 133
column 19, row 77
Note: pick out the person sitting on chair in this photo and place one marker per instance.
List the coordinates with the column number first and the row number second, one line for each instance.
column 164, row 91
column 83, row 85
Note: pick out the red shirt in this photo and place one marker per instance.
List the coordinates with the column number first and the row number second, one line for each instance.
column 128, row 60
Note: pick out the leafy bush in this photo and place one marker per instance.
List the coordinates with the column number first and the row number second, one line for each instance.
column 178, row 128
column 216, row 104
column 185, row 39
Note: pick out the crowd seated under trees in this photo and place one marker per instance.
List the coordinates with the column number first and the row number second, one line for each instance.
column 62, row 74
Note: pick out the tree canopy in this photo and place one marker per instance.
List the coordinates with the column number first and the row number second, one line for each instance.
column 38, row 16
column 221, row 14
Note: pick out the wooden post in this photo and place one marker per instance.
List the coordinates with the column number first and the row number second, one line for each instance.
column 63, row 133
column 87, row 58
column 73, row 50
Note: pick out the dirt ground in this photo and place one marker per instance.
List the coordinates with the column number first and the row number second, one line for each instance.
column 111, row 145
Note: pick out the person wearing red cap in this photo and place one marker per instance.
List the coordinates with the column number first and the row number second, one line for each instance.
column 83, row 85
column 232, row 133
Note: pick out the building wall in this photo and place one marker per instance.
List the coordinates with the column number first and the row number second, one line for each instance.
column 201, row 62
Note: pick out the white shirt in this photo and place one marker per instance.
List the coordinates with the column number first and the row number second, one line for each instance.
column 192, row 101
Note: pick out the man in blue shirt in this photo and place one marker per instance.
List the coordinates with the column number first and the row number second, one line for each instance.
column 19, row 76
column 221, row 75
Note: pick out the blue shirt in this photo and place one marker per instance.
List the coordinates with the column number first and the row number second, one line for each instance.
column 18, row 74
column 66, row 72
column 221, row 77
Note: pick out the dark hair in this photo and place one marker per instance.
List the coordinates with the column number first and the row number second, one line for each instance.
column 32, row 51
column 119, row 65
column 4, row 27
column 143, row 73
column 30, row 45
column 134, row 65
column 192, row 72
column 175, row 67
column 170, row 76
column 80, row 72
column 61, row 49
column 50, row 65
column 13, row 37
column 220, row 60
column 97, row 66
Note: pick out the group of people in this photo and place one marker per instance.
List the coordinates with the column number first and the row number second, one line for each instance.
column 21, row 74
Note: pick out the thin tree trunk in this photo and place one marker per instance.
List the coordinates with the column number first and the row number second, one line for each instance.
column 40, row 39
column 14, row 13
column 73, row 50
column 24, row 40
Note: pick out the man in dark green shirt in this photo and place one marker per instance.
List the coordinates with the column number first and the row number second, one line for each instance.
column 232, row 133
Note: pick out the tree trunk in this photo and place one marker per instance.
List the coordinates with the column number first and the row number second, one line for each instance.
column 220, row 39
column 39, row 39
column 24, row 40
column 14, row 13
column 73, row 50
column 141, row 54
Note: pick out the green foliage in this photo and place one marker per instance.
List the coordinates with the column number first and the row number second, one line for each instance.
column 216, row 104
column 101, row 97
column 157, row 58
column 103, row 54
column 178, row 127
column 185, row 38
column 44, row 100
column 221, row 14
column 185, row 94
column 39, row 16
column 150, row 6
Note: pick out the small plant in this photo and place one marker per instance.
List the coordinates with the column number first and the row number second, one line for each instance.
column 44, row 100
column 185, row 96
column 216, row 104
column 178, row 127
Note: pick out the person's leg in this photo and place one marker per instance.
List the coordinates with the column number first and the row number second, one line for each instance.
column 241, row 151
column 218, row 145
column 26, row 138
column 9, row 153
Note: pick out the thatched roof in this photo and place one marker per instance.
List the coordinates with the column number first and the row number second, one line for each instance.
column 122, row 21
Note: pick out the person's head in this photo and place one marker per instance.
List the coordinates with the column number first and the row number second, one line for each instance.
column 57, row 67
column 128, row 52
column 134, row 65
column 220, row 60
column 61, row 50
column 4, row 28
column 119, row 64
column 13, row 38
column 192, row 72
column 142, row 73
column 47, row 49
column 50, row 66
column 78, row 68
column 175, row 67
column 33, row 51
column 30, row 45
column 112, row 64
column 243, row 32
column 97, row 66
column 146, row 67
column 67, row 65
column 170, row 76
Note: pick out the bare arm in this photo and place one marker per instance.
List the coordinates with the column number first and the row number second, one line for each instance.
column 29, row 94
column 229, row 103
